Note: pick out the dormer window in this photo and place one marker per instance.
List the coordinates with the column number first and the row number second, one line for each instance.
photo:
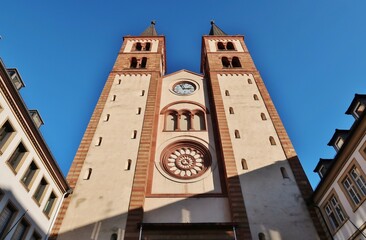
column 338, row 139
column 359, row 109
column 357, row 106
column 322, row 167
column 339, row 143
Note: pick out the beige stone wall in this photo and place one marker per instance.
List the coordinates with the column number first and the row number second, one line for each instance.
column 272, row 202
column 209, row 182
column 130, row 43
column 99, row 205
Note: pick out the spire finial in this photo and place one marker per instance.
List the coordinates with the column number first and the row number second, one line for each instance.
column 153, row 22
column 212, row 22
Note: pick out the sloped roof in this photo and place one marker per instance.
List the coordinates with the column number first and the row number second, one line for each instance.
column 215, row 30
column 150, row 31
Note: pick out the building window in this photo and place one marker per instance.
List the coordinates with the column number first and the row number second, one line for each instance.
column 244, row 164
column 339, row 143
column 272, row 141
column 114, row 236
column 334, row 212
column 237, row 134
column 21, row 230
column 225, row 62
column 142, row 46
column 354, row 184
column 284, row 173
column 1, row 194
column 17, row 158
column 143, row 62
column 50, row 205
column 138, row 111
column 30, row 175
column 225, row 46
column 142, row 93
column 199, row 121
column 39, row 193
column 359, row 109
column 128, row 165
column 261, row 236
column 250, row 81
column 98, row 141
column 119, row 82
column 255, row 97
column 106, row 118
column 133, row 63
column 220, row 46
column 113, row 98
column 134, row 134
column 185, row 121
column 87, row 174
column 230, row 63
column 171, row 121
column 236, row 62
column 230, row 46
column 263, row 116
column 6, row 131
column 6, row 218
column 231, row 110
column 227, row 93
column 35, row 236
column 363, row 150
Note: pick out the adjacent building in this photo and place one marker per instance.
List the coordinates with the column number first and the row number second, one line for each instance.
column 341, row 193
column 32, row 186
column 186, row 155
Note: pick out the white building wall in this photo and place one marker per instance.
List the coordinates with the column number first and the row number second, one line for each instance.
column 273, row 203
column 99, row 206
column 359, row 215
column 213, row 45
column 10, row 183
column 130, row 43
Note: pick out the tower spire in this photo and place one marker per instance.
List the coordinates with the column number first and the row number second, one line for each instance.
column 215, row 30
column 150, row 31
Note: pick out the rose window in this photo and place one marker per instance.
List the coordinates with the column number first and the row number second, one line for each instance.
column 186, row 162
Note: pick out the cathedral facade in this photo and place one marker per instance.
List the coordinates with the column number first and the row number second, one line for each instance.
column 186, row 155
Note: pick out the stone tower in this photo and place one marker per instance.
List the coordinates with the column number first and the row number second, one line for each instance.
column 185, row 155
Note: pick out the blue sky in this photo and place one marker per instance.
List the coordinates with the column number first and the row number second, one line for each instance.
column 311, row 55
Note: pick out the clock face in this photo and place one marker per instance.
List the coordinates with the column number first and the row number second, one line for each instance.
column 184, row 88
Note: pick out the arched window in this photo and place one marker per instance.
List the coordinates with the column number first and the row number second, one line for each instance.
column 230, row 46
column 284, row 172
column 237, row 134
column 236, row 62
column 220, row 46
column 225, row 62
column 142, row 93
column 147, row 46
column 261, row 236
column 143, row 62
column 171, row 121
column 263, row 116
column 134, row 134
column 138, row 46
column 244, row 165
column 87, row 174
column 255, row 96
column 133, row 63
column 185, row 121
column 272, row 141
column 227, row 93
column 249, row 81
column 114, row 236
column 138, row 111
column 128, row 164
column 199, row 121
column 231, row 110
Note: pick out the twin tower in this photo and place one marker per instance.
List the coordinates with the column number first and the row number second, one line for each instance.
column 186, row 155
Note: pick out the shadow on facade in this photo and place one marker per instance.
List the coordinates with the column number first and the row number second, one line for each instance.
column 21, row 215
column 274, row 205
